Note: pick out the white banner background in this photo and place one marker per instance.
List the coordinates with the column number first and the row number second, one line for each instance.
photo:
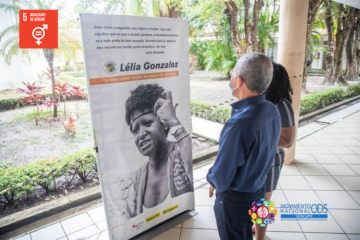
column 118, row 155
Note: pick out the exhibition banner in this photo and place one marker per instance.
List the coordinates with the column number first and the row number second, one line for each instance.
column 137, row 72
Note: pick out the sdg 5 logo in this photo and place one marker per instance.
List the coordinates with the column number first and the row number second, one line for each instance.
column 263, row 212
column 38, row 29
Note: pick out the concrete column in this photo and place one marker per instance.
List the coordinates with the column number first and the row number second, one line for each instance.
column 291, row 51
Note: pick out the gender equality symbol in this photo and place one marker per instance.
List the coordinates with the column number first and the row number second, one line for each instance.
column 39, row 33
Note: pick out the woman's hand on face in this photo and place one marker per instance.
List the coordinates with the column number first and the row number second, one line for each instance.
column 165, row 111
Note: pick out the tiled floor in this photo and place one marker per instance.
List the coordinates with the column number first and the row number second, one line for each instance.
column 326, row 170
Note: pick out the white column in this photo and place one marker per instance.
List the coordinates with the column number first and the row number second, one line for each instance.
column 291, row 51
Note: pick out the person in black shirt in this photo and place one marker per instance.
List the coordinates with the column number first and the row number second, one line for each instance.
column 279, row 93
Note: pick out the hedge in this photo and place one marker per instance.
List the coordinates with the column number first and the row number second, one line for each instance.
column 209, row 111
column 76, row 74
column 73, row 79
column 353, row 90
column 308, row 103
column 70, row 68
column 11, row 103
column 14, row 103
column 313, row 102
column 15, row 181
column 316, row 71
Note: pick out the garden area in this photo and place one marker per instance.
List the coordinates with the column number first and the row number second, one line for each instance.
column 45, row 157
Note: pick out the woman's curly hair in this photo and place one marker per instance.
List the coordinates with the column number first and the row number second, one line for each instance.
column 280, row 87
column 142, row 98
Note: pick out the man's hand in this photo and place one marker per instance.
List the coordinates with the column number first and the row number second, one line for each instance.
column 211, row 191
column 165, row 111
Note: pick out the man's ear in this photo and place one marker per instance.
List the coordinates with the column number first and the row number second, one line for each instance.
column 240, row 81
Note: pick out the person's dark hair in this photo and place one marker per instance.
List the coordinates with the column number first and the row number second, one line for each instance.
column 280, row 87
column 142, row 98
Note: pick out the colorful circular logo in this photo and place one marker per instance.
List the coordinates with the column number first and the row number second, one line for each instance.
column 110, row 67
column 263, row 212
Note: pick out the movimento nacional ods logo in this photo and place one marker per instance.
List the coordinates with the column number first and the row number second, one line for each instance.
column 263, row 212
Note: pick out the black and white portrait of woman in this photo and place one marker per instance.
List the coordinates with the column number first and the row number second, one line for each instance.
column 151, row 117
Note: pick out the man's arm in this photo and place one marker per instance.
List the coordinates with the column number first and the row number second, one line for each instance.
column 231, row 155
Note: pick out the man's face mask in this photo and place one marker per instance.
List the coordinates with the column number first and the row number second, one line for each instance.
column 232, row 89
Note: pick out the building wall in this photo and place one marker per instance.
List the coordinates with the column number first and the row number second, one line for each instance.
column 11, row 75
column 20, row 70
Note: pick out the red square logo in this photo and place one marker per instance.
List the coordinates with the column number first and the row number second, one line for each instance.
column 38, row 29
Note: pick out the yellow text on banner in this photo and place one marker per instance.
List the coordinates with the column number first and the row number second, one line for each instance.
column 170, row 209
column 152, row 217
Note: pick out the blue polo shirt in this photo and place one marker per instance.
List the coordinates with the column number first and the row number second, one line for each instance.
column 247, row 146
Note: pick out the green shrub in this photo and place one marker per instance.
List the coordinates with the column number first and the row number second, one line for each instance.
column 220, row 56
column 18, row 180
column 70, row 68
column 72, row 79
column 198, row 48
column 353, row 90
column 209, row 111
column 4, row 164
column 48, row 171
column 313, row 102
column 14, row 103
column 76, row 74
column 81, row 168
column 9, row 178
column 316, row 71
column 80, row 66
column 67, row 68
column 11, row 103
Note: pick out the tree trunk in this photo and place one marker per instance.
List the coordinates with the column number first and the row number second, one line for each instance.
column 231, row 13
column 345, row 18
column 349, row 56
column 352, row 44
column 313, row 8
column 49, row 55
column 174, row 12
column 356, row 51
column 342, row 34
column 255, row 20
column 247, row 26
column 339, row 46
column 330, row 51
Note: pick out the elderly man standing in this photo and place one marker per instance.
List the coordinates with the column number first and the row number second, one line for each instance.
column 248, row 143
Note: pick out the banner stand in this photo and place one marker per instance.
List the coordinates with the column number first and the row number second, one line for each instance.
column 163, row 227
column 137, row 73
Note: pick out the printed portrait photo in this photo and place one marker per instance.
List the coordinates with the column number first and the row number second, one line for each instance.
column 151, row 118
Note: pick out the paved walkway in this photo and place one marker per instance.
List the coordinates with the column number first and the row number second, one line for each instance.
column 326, row 171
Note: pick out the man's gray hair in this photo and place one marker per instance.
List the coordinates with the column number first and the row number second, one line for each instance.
column 256, row 70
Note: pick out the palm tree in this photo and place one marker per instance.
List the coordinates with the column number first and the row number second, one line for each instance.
column 267, row 27
column 9, row 37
